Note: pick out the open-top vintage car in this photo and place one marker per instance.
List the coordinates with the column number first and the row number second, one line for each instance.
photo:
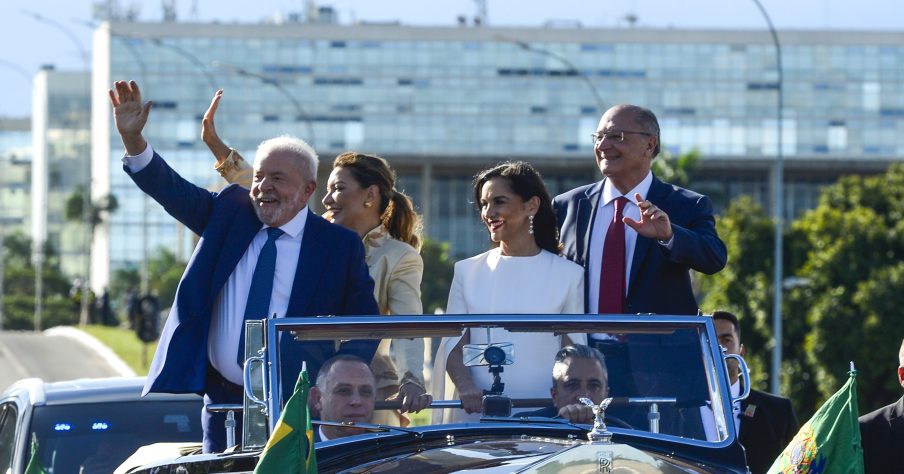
column 668, row 410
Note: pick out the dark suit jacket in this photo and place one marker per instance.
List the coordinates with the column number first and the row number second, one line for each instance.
column 696, row 246
column 331, row 278
column 769, row 429
column 882, row 433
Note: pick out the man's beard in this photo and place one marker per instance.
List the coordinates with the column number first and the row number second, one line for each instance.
column 269, row 217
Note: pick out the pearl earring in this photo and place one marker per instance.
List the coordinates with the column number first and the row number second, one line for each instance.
column 530, row 230
column 367, row 204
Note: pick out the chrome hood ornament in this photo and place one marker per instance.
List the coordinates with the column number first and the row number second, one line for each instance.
column 599, row 433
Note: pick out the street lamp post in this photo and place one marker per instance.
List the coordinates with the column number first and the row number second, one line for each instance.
column 571, row 68
column 778, row 216
column 86, row 207
column 279, row 87
column 18, row 69
column 191, row 58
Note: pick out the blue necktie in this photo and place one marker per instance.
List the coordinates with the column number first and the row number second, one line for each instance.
column 261, row 287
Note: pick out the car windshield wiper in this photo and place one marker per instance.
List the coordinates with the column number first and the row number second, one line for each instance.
column 367, row 426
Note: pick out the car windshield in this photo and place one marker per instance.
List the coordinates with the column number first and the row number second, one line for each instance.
column 98, row 437
column 665, row 374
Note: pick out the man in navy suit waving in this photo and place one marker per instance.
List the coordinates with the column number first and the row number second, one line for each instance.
column 636, row 236
column 261, row 254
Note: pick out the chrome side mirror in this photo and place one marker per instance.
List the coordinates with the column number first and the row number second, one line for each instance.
column 743, row 374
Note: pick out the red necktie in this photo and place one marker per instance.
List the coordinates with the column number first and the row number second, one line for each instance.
column 612, row 274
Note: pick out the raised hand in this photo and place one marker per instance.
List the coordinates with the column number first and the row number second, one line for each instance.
column 130, row 115
column 654, row 223
column 209, row 131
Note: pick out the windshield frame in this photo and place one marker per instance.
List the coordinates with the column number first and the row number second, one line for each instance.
column 376, row 327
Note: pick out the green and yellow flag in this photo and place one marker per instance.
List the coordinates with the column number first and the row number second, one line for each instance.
column 290, row 448
column 829, row 443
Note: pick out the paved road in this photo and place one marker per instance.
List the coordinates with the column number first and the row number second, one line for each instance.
column 52, row 358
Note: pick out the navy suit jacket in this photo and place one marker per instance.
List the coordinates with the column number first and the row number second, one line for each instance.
column 331, row 279
column 659, row 280
column 768, row 424
column 882, row 433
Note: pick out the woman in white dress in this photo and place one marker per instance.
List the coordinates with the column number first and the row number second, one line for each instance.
column 522, row 274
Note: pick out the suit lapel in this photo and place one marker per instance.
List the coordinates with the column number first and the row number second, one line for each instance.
column 244, row 227
column 311, row 256
column 897, row 427
column 657, row 195
column 587, row 207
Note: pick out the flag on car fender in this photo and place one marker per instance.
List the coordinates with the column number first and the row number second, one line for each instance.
column 829, row 443
column 290, row 448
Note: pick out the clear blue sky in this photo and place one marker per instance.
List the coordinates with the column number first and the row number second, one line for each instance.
column 26, row 44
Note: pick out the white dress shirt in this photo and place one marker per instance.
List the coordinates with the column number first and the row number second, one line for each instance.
column 228, row 312
column 604, row 215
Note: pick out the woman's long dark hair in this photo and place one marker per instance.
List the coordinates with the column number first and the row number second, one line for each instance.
column 396, row 210
column 526, row 182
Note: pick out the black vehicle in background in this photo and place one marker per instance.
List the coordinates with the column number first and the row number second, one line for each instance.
column 89, row 425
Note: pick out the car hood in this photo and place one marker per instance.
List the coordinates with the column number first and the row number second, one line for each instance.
column 532, row 455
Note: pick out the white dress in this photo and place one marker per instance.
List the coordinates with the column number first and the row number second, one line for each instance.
column 492, row 283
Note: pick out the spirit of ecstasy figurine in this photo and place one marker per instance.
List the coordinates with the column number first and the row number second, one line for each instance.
column 599, row 433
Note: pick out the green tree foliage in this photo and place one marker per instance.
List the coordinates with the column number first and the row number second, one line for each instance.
column 678, row 170
column 164, row 273
column 855, row 245
column 744, row 285
column 123, row 280
column 438, row 269
column 847, row 256
column 75, row 205
column 19, row 287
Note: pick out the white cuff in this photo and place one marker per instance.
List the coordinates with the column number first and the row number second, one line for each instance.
column 668, row 244
column 137, row 162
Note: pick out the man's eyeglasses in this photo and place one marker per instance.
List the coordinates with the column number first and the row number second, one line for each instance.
column 614, row 135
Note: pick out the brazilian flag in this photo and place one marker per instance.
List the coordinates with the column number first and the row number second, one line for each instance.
column 829, row 443
column 290, row 448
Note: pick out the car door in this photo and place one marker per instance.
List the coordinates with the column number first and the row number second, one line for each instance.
column 8, row 414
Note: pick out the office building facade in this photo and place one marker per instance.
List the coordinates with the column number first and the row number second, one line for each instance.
column 15, row 161
column 61, row 164
column 442, row 103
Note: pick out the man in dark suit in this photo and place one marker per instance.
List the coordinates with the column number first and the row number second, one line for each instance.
column 669, row 230
column 882, row 432
column 636, row 237
column 579, row 371
column 767, row 422
column 260, row 254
